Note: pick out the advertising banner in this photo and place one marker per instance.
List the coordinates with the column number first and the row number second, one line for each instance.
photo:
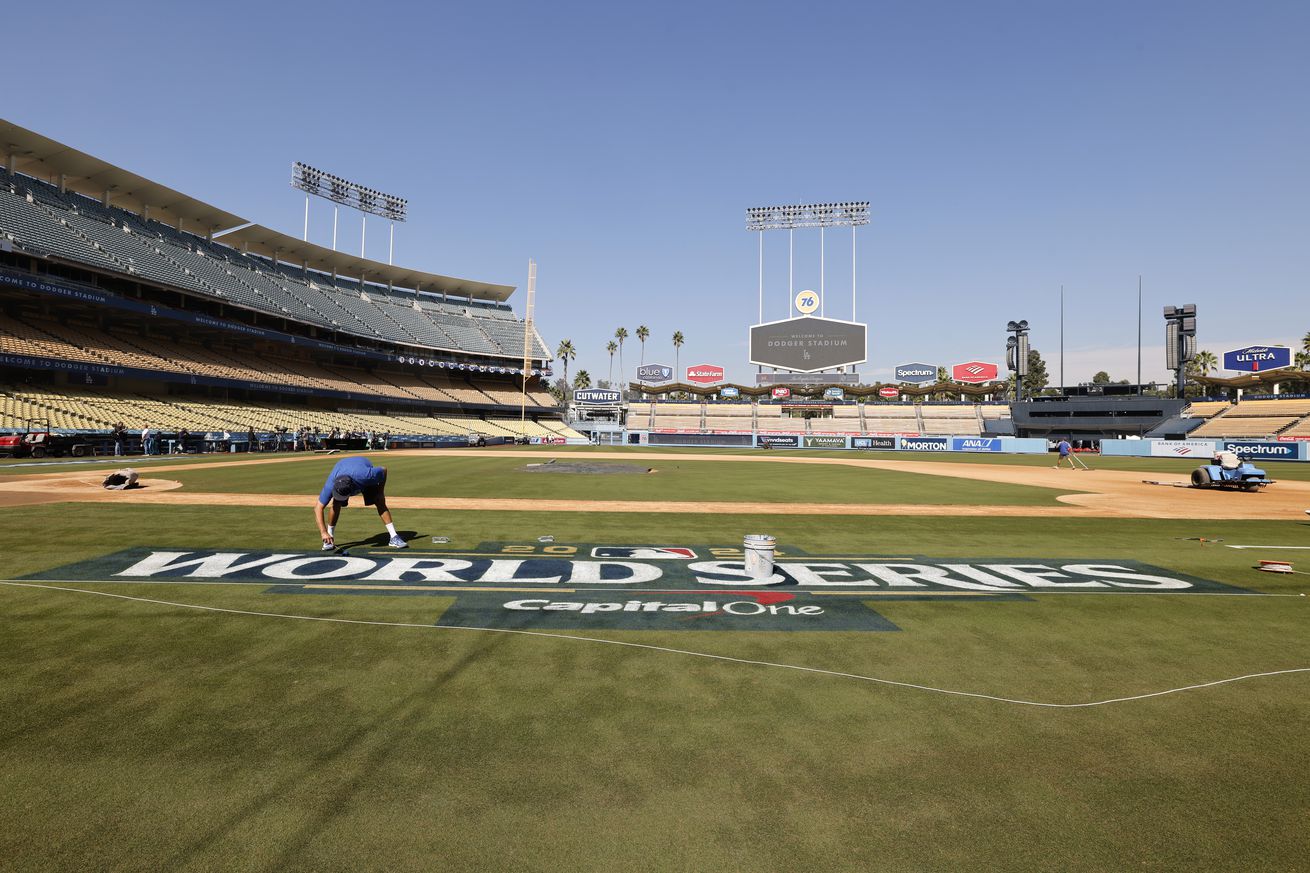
column 974, row 372
column 1262, row 450
column 916, row 374
column 834, row 393
column 925, row 444
column 889, row 392
column 1182, row 449
column 975, row 444
column 1258, row 359
column 780, row 393
column 882, row 444
column 824, row 442
column 808, row 344
column 704, row 374
column 596, row 397
column 729, row 392
column 654, row 373
column 777, row 441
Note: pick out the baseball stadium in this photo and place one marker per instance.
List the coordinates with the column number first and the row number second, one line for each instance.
column 808, row 621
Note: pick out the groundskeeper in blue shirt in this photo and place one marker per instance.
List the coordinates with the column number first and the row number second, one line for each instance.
column 351, row 476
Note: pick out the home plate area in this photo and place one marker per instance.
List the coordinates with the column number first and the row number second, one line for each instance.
column 609, row 587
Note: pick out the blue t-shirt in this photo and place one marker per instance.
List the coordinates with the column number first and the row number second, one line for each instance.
column 1064, row 448
column 361, row 470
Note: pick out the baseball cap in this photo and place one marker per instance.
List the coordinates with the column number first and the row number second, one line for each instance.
column 343, row 488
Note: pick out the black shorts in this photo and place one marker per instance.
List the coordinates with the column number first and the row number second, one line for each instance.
column 372, row 497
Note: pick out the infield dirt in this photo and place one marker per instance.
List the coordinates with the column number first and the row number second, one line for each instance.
column 1091, row 494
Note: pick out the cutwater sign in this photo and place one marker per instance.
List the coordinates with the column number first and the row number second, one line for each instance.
column 596, row 396
column 654, row 373
column 916, row 374
column 1257, row 359
column 975, row 444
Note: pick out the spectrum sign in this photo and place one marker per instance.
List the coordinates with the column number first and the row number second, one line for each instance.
column 916, row 374
column 1258, row 359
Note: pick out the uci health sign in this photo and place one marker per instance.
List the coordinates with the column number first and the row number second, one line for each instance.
column 1257, row 359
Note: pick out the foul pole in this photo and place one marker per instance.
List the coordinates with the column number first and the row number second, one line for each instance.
column 527, row 341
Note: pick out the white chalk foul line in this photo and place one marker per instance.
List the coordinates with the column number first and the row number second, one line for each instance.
column 668, row 650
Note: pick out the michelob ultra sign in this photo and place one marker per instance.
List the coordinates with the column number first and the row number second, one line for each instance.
column 1257, row 359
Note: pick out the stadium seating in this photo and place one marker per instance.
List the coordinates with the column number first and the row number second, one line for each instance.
column 37, row 217
column 1254, row 418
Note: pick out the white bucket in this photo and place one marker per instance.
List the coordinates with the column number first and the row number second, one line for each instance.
column 759, row 555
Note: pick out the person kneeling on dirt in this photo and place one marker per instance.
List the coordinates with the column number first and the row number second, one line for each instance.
column 351, row 476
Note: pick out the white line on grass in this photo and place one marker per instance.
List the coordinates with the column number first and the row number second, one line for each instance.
column 669, row 650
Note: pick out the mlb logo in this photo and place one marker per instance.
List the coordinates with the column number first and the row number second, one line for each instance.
column 644, row 553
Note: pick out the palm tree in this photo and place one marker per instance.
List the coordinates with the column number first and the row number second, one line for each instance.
column 1303, row 360
column 678, row 340
column 582, row 380
column 1305, row 342
column 612, row 348
column 621, row 334
column 643, row 332
column 1204, row 362
column 566, row 353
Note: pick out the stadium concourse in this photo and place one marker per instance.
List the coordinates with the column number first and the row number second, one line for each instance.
column 125, row 302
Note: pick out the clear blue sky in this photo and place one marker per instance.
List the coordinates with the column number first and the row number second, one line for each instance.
column 1007, row 148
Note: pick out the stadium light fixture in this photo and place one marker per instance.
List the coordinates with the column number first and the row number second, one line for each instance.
column 1016, row 354
column 1180, row 341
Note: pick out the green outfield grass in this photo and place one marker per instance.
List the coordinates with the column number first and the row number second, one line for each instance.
column 451, row 475
column 141, row 736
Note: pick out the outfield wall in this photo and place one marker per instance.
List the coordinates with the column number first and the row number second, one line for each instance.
column 889, row 443
column 1204, row 449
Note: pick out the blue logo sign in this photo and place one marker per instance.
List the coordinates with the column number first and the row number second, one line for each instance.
column 1270, row 451
column 975, row 444
column 1257, row 359
column 834, row 393
column 916, row 374
column 654, row 373
column 884, row 443
column 594, row 396
column 729, row 391
column 925, row 444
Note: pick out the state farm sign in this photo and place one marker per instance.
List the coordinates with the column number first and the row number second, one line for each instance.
column 974, row 372
column 704, row 374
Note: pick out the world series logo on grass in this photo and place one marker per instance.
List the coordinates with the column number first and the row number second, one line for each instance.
column 638, row 587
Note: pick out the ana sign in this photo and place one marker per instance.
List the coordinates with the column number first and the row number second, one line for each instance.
column 975, row 444
column 889, row 392
column 808, row 344
column 780, row 393
column 1257, row 359
column 704, row 374
column 654, row 373
column 596, row 397
column 916, row 374
column 974, row 372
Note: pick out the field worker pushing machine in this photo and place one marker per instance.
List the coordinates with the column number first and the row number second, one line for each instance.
column 349, row 477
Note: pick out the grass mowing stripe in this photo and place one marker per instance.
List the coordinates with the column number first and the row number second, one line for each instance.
column 686, row 652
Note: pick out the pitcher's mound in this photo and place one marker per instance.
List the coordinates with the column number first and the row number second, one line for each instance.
column 585, row 468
